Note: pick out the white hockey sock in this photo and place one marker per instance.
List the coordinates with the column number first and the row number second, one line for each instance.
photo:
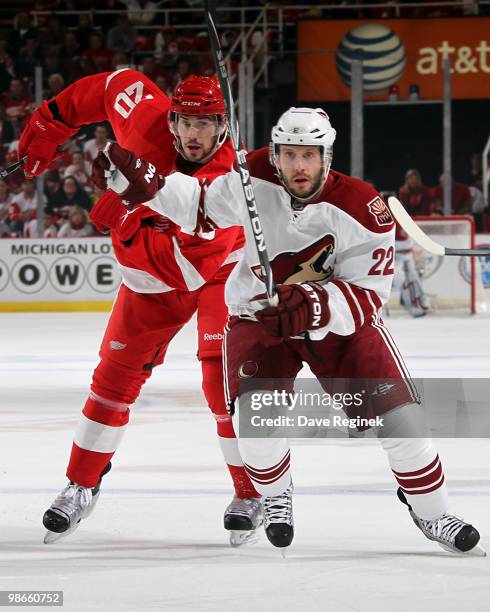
column 229, row 448
column 418, row 471
column 266, row 461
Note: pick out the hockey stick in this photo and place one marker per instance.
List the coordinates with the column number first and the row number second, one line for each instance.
column 18, row 164
column 241, row 156
column 421, row 238
column 12, row 168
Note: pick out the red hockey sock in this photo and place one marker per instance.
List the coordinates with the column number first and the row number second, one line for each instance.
column 212, row 385
column 242, row 483
column 85, row 467
column 96, row 439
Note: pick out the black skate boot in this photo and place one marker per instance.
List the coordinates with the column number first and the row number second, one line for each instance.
column 278, row 518
column 242, row 518
column 451, row 533
column 72, row 505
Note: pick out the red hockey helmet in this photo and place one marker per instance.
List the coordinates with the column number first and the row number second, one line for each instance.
column 198, row 96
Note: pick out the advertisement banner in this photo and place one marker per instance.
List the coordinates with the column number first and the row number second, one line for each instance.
column 394, row 51
column 57, row 274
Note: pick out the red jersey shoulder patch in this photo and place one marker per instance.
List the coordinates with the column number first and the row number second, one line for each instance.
column 380, row 211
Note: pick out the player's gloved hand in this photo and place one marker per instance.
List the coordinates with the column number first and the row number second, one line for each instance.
column 101, row 171
column 131, row 177
column 110, row 214
column 301, row 308
column 41, row 137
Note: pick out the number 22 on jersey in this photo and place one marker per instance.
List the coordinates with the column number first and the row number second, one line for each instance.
column 384, row 262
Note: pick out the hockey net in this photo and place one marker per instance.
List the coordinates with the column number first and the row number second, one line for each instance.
column 452, row 284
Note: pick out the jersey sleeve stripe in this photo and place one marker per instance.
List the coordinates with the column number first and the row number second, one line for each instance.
column 112, row 75
column 376, row 306
column 369, row 300
column 363, row 303
column 341, row 286
column 356, row 302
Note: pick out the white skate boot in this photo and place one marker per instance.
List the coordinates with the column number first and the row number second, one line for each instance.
column 451, row 533
column 278, row 518
column 72, row 505
column 241, row 519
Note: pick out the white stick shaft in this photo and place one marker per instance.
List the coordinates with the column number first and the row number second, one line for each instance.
column 412, row 229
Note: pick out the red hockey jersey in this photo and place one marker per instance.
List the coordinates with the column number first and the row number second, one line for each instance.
column 151, row 261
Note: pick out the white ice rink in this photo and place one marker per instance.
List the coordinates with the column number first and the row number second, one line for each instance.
column 156, row 542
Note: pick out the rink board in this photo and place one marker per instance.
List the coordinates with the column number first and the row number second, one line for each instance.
column 75, row 274
column 81, row 274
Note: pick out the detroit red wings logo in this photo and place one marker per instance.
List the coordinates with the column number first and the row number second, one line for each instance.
column 314, row 263
column 380, row 211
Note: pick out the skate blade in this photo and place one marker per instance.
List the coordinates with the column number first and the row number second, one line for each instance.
column 239, row 538
column 52, row 536
column 476, row 551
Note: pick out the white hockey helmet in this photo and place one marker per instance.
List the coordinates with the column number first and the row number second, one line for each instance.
column 307, row 127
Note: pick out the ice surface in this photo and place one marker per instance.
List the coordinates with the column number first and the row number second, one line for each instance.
column 155, row 540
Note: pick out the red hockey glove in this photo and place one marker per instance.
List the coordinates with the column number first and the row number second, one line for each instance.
column 109, row 213
column 137, row 180
column 40, row 139
column 301, row 308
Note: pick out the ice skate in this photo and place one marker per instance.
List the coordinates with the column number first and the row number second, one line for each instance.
column 278, row 518
column 242, row 518
column 451, row 533
column 72, row 505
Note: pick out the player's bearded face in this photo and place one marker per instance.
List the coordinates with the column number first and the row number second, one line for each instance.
column 197, row 136
column 301, row 169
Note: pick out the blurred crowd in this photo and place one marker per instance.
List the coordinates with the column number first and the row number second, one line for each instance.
column 466, row 198
column 69, row 47
column 389, row 10
column 68, row 194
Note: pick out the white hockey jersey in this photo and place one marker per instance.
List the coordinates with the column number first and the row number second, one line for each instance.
column 344, row 239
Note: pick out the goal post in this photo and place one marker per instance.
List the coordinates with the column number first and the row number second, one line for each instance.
column 453, row 284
